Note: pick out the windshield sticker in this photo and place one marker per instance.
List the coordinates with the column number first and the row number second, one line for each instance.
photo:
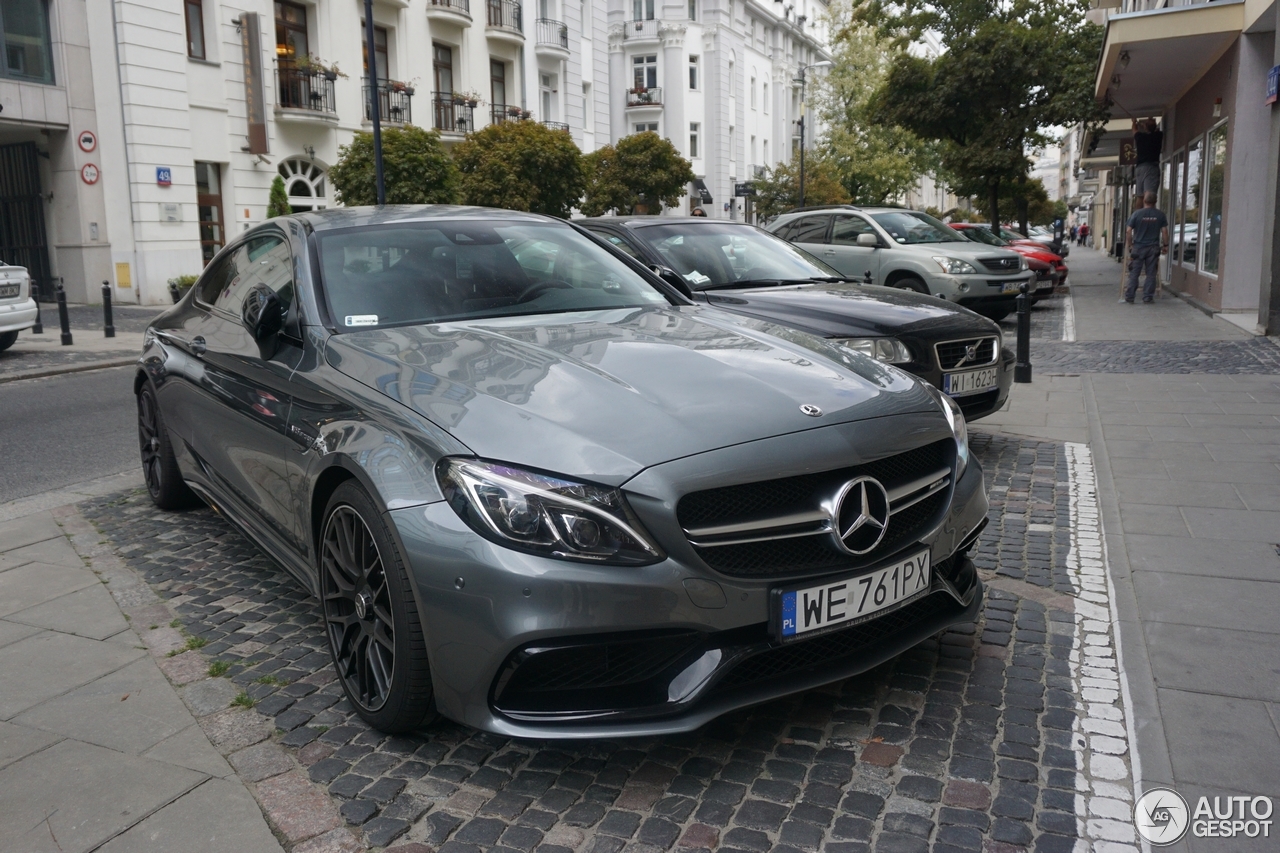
column 696, row 277
column 362, row 319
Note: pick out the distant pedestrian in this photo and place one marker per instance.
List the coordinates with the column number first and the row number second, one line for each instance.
column 1084, row 234
column 697, row 211
column 1148, row 238
column 1074, row 230
column 1149, row 141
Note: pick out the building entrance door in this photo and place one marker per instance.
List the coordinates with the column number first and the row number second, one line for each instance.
column 22, row 236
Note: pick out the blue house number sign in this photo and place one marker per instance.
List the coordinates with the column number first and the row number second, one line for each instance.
column 164, row 176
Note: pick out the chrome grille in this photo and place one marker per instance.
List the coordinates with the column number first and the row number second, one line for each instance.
column 953, row 355
column 783, row 528
column 1002, row 264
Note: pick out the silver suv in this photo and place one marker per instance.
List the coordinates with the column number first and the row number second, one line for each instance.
column 911, row 250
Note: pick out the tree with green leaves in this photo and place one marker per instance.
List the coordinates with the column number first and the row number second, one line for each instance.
column 416, row 169
column 1008, row 70
column 521, row 165
column 641, row 170
column 877, row 161
column 779, row 190
column 278, row 200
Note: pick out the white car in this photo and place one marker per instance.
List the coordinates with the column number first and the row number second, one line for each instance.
column 17, row 308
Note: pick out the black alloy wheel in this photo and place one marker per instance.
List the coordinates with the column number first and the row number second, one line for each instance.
column 370, row 617
column 159, row 466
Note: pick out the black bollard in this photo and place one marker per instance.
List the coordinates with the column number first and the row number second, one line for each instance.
column 108, row 328
column 63, row 318
column 1022, row 368
column 38, row 328
column 866, row 277
column 174, row 293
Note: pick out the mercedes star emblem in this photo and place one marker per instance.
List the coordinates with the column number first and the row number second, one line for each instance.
column 861, row 516
column 811, row 410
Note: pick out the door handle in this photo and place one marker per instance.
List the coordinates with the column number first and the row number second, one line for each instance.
column 198, row 347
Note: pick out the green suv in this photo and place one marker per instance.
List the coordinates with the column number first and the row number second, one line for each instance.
column 904, row 248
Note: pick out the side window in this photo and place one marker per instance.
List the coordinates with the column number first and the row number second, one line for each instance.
column 261, row 260
column 846, row 229
column 621, row 244
column 784, row 231
column 218, row 276
column 811, row 229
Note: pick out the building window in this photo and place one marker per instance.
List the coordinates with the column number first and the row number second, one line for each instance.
column 733, row 154
column 693, row 73
column 379, row 51
column 291, row 32
column 498, row 86
column 644, row 71
column 588, row 109
column 442, row 69
column 642, row 10
column 195, row 29
column 754, row 161
column 693, row 139
column 304, row 181
column 647, row 126
column 753, row 93
column 764, row 97
column 209, row 208
column 1189, row 221
column 546, row 95
column 766, row 152
column 693, row 10
column 1215, row 167
column 24, row 31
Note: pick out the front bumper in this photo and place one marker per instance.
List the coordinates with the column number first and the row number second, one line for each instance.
column 18, row 316
column 487, row 610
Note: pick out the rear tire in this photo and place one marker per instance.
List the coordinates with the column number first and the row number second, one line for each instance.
column 370, row 616
column 912, row 283
column 159, row 465
column 7, row 339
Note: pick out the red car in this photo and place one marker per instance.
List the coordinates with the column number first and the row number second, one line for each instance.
column 1030, row 249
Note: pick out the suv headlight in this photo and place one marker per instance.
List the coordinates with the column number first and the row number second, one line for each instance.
column 1024, row 265
column 955, row 266
column 888, row 350
column 545, row 515
column 959, row 428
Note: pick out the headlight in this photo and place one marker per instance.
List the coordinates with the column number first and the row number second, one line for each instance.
column 955, row 266
column 1024, row 265
column 959, row 429
column 545, row 515
column 888, row 350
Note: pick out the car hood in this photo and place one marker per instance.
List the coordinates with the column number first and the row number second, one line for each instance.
column 966, row 249
column 1036, row 252
column 602, row 395
column 853, row 310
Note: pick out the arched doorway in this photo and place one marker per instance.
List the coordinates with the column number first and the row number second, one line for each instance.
column 305, row 183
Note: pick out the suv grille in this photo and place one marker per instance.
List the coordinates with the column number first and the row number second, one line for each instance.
column 953, row 355
column 1002, row 264
column 783, row 528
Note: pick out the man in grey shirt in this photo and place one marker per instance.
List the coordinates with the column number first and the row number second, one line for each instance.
column 1148, row 240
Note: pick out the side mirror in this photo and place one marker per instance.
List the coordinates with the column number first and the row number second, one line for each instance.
column 871, row 241
column 263, row 315
column 672, row 278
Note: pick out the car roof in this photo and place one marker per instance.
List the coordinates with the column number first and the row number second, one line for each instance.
column 644, row 220
column 349, row 217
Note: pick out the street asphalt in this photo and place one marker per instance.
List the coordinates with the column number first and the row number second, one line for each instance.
column 66, row 429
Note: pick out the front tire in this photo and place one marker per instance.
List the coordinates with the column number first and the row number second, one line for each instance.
column 370, row 616
column 912, row 283
column 7, row 339
column 159, row 466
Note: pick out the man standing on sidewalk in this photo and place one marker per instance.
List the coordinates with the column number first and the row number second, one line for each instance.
column 1148, row 234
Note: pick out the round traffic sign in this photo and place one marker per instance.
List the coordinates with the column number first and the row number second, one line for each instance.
column 89, row 173
column 87, row 140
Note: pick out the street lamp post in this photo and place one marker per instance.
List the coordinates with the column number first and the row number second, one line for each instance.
column 823, row 64
column 374, row 107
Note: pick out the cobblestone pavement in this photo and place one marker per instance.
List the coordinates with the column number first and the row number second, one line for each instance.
column 1046, row 321
column 1255, row 355
column 971, row 741
column 125, row 318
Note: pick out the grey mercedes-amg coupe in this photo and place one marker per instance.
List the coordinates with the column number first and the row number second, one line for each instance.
column 538, row 490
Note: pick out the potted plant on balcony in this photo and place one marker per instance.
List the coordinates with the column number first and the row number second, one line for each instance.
column 312, row 64
column 466, row 99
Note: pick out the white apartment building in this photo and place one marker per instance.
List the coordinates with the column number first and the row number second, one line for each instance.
column 195, row 106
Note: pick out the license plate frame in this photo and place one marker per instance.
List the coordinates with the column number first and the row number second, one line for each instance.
column 970, row 381
column 10, row 291
column 1013, row 286
column 789, row 602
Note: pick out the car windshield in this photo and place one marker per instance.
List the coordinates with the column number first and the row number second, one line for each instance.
column 980, row 234
column 430, row 272
column 711, row 254
column 912, row 226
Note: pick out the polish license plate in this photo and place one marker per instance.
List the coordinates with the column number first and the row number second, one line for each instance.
column 10, row 291
column 1012, row 287
column 969, row 382
column 843, row 602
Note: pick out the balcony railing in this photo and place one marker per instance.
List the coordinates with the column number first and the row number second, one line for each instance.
column 640, row 30
column 642, row 97
column 556, row 125
column 553, row 33
column 394, row 103
column 499, row 113
column 451, row 116
column 463, row 6
column 507, row 14
column 308, row 89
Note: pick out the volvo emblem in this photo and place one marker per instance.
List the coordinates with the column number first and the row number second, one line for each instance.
column 971, row 353
column 811, row 410
column 861, row 515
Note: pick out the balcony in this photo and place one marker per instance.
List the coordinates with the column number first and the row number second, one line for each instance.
column 553, row 38
column 640, row 30
column 451, row 115
column 395, row 103
column 305, row 95
column 644, row 97
column 453, row 11
column 499, row 113
column 557, row 125
column 504, row 19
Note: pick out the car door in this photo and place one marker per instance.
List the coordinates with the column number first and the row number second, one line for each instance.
column 810, row 233
column 241, row 405
column 844, row 253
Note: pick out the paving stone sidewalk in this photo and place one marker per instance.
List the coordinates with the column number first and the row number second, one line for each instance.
column 967, row 742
